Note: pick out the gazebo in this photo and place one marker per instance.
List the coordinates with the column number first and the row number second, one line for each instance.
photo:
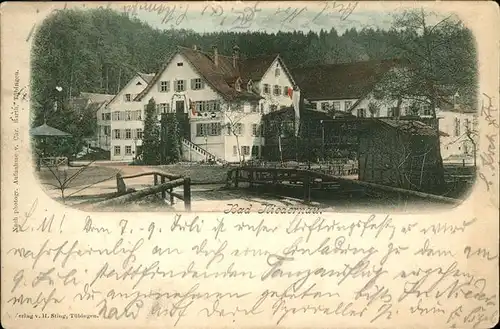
column 44, row 132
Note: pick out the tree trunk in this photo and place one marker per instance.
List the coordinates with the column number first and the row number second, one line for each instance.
column 439, row 165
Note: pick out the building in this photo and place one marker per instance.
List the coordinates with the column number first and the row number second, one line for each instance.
column 350, row 88
column 399, row 153
column 96, row 103
column 125, row 117
column 459, row 123
column 219, row 99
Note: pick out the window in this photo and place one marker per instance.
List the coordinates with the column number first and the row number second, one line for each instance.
column 208, row 129
column 324, row 106
column 164, row 108
column 107, row 116
column 180, row 64
column 255, row 150
column 128, row 115
column 117, row 150
column 361, row 113
column 336, row 106
column 138, row 115
column 196, row 84
column 107, row 130
column 180, row 85
column 457, row 127
column 139, row 133
column 214, row 128
column 348, row 105
column 254, row 108
column 235, row 150
column 427, row 111
column 116, row 134
column 206, row 106
column 255, row 129
column 128, row 133
column 164, row 86
column 245, row 150
column 238, row 129
column 266, row 88
column 128, row 150
column 277, row 72
column 128, row 97
column 103, row 116
column 285, row 91
column 116, row 116
column 276, row 90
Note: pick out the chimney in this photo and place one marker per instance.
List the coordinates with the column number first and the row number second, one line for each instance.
column 236, row 56
column 195, row 47
column 216, row 56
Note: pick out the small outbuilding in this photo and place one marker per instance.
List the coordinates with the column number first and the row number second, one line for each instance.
column 400, row 153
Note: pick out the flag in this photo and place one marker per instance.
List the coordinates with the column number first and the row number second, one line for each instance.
column 290, row 92
column 191, row 105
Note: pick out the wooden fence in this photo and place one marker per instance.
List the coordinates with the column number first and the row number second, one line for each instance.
column 162, row 183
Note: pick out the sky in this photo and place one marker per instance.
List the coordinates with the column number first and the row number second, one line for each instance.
column 254, row 16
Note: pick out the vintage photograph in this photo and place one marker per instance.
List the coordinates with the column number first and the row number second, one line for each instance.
column 158, row 107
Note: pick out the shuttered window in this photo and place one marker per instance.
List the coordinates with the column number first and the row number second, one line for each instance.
column 197, row 84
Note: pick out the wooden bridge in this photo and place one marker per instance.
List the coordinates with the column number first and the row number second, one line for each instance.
column 310, row 180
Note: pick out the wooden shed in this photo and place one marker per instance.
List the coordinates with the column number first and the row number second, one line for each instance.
column 399, row 153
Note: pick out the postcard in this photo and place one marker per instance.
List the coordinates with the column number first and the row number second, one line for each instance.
column 250, row 164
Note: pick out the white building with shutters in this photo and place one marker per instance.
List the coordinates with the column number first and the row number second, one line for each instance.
column 219, row 101
column 126, row 118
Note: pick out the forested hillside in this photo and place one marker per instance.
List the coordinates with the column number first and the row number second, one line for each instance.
column 100, row 50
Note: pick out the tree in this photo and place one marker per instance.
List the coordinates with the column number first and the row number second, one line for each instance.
column 232, row 124
column 172, row 140
column 373, row 109
column 151, row 135
column 431, row 67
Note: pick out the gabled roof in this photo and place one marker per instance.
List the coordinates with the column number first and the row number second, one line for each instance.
column 341, row 81
column 92, row 101
column 411, row 127
column 97, row 98
column 255, row 68
column 146, row 77
column 221, row 77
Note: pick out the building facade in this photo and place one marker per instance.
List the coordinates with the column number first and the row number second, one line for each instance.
column 219, row 99
column 126, row 118
column 460, row 125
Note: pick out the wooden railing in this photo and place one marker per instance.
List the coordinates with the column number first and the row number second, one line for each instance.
column 202, row 151
column 310, row 180
column 162, row 183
